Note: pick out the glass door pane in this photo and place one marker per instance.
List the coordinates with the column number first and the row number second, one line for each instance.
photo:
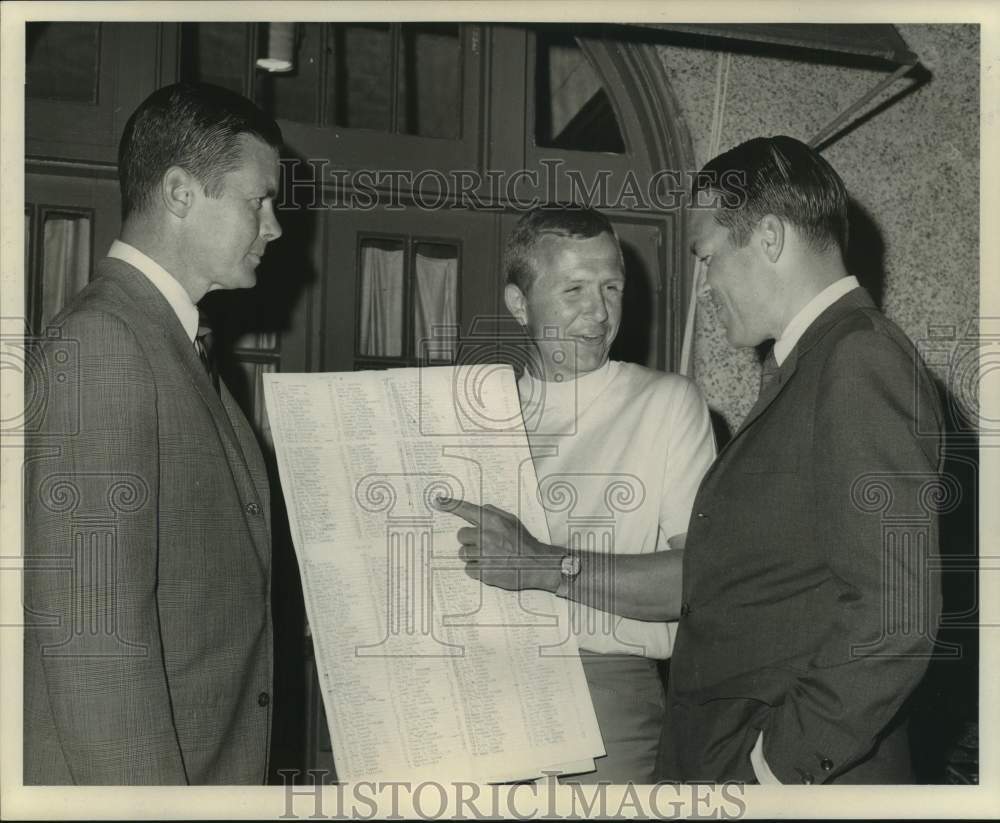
column 430, row 80
column 217, row 53
column 359, row 76
column 62, row 61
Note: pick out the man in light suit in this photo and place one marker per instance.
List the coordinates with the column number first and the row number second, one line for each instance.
column 148, row 656
column 807, row 608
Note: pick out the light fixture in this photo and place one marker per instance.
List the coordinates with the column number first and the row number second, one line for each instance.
column 279, row 56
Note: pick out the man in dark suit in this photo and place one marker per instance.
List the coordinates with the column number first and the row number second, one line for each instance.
column 807, row 608
column 148, row 656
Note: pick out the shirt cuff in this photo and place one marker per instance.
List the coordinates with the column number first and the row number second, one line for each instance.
column 761, row 770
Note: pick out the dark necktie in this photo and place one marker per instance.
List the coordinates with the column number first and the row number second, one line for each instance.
column 768, row 372
column 203, row 343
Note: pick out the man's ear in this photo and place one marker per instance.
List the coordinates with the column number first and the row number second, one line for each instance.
column 178, row 190
column 771, row 236
column 516, row 303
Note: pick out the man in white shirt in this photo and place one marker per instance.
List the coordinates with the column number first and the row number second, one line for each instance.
column 807, row 607
column 148, row 646
column 619, row 451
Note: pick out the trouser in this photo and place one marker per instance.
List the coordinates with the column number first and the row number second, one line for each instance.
column 630, row 703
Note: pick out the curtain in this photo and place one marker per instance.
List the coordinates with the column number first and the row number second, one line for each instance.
column 65, row 262
column 381, row 321
column 435, row 309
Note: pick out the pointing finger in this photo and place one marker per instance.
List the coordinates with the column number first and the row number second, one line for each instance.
column 469, row 512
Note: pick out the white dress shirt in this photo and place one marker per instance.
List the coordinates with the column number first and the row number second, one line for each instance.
column 171, row 289
column 809, row 312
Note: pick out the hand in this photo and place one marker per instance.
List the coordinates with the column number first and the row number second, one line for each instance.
column 500, row 551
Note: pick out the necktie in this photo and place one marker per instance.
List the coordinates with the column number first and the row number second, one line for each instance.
column 203, row 343
column 768, row 372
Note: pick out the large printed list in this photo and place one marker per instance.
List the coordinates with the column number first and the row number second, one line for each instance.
column 425, row 673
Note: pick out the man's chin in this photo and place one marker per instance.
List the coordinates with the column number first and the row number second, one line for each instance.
column 248, row 279
column 585, row 365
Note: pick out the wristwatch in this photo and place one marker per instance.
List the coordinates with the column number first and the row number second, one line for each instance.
column 569, row 568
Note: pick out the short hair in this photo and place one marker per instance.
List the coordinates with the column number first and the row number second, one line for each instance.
column 780, row 176
column 553, row 220
column 195, row 126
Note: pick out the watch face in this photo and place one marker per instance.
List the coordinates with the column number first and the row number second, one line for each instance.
column 570, row 565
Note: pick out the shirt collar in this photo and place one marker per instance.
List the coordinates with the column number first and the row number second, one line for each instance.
column 171, row 289
column 813, row 309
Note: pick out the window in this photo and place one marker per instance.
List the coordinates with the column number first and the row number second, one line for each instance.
column 62, row 61
column 572, row 108
column 408, row 299
column 217, row 53
column 398, row 78
column 63, row 267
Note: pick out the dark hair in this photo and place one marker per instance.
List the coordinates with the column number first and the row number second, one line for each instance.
column 576, row 222
column 780, row 176
column 192, row 125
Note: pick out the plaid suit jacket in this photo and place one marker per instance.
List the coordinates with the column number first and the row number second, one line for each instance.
column 147, row 654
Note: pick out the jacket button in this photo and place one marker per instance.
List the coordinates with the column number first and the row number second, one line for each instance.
column 685, row 609
column 808, row 779
column 702, row 516
column 253, row 508
column 826, row 764
column 263, row 699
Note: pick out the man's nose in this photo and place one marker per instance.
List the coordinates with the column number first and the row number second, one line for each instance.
column 597, row 306
column 270, row 228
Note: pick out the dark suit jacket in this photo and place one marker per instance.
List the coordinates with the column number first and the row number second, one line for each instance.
column 147, row 655
column 809, row 605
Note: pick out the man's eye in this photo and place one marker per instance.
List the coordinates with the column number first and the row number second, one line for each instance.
column 572, row 289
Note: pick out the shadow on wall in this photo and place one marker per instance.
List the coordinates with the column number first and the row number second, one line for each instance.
column 944, row 730
column 865, row 257
column 635, row 333
column 945, row 708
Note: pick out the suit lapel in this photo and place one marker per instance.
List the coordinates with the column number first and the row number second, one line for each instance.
column 251, row 483
column 850, row 302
